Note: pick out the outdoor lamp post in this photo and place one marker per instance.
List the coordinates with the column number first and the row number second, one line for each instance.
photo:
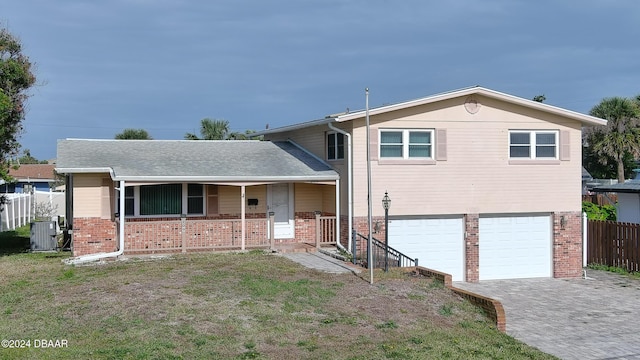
column 386, row 204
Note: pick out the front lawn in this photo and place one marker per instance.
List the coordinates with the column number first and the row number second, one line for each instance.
column 235, row 306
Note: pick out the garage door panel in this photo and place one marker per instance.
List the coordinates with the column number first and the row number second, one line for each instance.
column 437, row 243
column 515, row 247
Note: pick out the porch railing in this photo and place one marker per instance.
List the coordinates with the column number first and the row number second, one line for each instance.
column 184, row 235
column 325, row 230
column 361, row 253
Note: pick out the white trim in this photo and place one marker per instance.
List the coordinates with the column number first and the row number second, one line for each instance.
column 533, row 144
column 405, row 144
column 335, row 146
column 585, row 119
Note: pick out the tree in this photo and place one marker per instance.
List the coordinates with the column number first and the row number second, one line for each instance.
column 211, row 129
column 133, row 134
column 26, row 158
column 16, row 79
column 620, row 138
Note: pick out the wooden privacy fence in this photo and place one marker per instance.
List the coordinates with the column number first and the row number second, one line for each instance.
column 613, row 244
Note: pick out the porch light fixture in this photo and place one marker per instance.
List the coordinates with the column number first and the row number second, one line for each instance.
column 563, row 222
column 386, row 204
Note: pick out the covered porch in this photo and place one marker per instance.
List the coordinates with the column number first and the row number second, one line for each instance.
column 271, row 216
column 167, row 196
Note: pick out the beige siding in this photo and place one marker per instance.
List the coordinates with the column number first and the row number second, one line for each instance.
column 229, row 199
column 313, row 139
column 329, row 199
column 477, row 176
column 91, row 195
column 307, row 197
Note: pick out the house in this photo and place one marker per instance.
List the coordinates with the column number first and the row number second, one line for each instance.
column 484, row 185
column 468, row 173
column 155, row 196
column 628, row 196
column 30, row 177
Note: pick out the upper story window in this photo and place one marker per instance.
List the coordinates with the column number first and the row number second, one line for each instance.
column 335, row 146
column 406, row 144
column 539, row 144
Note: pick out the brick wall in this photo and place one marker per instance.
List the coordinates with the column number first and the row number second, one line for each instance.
column 567, row 245
column 472, row 247
column 93, row 235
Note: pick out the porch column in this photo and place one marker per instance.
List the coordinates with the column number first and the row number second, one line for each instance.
column 242, row 215
column 338, row 214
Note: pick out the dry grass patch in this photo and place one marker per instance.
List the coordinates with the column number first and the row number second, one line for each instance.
column 237, row 306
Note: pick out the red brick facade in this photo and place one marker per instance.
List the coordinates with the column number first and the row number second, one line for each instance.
column 93, row 235
column 567, row 244
column 170, row 235
column 472, row 247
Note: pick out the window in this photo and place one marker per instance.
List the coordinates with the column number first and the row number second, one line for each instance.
column 335, row 146
column 129, row 201
column 164, row 199
column 406, row 144
column 533, row 144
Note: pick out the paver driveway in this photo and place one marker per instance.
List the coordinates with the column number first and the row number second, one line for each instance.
column 593, row 318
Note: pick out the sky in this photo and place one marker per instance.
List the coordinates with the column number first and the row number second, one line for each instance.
column 163, row 65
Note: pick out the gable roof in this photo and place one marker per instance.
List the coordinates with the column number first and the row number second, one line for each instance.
column 192, row 160
column 33, row 172
column 476, row 90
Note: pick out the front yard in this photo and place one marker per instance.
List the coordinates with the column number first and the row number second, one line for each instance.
column 234, row 306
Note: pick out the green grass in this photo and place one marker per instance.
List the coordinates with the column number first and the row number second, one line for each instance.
column 236, row 306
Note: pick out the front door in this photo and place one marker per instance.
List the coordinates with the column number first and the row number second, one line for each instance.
column 280, row 201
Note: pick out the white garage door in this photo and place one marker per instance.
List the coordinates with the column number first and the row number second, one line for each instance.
column 437, row 243
column 515, row 247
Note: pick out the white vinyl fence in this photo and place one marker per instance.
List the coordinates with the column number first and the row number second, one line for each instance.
column 23, row 208
column 18, row 211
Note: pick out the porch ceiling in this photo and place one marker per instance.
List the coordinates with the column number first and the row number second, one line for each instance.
column 192, row 160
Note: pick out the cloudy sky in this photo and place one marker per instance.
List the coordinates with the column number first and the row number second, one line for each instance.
column 162, row 65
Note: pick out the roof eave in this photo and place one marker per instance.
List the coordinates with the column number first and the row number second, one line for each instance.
column 294, row 126
column 585, row 119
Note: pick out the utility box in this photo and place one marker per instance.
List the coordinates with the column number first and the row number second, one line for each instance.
column 43, row 236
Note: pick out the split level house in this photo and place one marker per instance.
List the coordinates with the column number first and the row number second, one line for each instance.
column 483, row 185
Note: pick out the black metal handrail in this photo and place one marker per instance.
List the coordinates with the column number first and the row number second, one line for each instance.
column 395, row 258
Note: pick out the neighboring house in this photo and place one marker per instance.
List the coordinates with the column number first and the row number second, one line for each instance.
column 37, row 176
column 586, row 180
column 484, row 185
column 628, row 196
column 154, row 196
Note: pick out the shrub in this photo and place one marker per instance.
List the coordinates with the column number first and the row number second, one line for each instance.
column 599, row 212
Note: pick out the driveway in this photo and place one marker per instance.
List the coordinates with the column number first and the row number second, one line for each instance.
column 593, row 318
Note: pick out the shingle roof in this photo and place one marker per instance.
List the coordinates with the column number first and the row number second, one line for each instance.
column 194, row 160
column 33, row 172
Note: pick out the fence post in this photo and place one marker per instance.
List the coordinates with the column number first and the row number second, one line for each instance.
column 318, row 232
column 584, row 239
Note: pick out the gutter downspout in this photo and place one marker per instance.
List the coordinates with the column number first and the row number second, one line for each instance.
column 99, row 256
column 349, row 184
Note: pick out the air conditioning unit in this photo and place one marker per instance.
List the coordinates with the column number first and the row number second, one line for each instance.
column 43, row 236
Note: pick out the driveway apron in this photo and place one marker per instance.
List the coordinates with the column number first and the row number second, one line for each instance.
column 593, row 318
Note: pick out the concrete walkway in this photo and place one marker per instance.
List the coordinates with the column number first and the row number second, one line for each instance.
column 593, row 318
column 322, row 262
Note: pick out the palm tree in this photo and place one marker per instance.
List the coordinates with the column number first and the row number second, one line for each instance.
column 133, row 134
column 621, row 135
column 211, row 129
